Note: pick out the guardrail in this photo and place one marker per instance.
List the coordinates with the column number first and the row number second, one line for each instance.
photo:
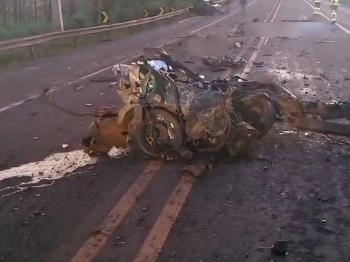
column 33, row 40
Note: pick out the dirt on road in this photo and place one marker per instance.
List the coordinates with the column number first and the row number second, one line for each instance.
column 294, row 186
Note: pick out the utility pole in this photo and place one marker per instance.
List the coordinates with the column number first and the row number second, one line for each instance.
column 56, row 10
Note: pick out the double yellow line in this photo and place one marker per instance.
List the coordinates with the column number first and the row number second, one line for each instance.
column 156, row 238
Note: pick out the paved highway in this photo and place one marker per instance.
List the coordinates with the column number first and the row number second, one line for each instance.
column 58, row 205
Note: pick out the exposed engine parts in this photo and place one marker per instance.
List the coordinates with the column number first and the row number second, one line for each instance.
column 169, row 109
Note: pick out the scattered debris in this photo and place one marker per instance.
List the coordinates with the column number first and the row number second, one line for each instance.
column 197, row 170
column 219, row 105
column 299, row 20
column 326, row 200
column 347, row 78
column 325, row 41
column 79, row 87
column 189, row 62
column 64, row 145
column 239, row 44
column 253, row 47
column 221, row 63
column 258, row 64
column 324, row 76
column 104, row 79
column 280, row 248
column 280, row 52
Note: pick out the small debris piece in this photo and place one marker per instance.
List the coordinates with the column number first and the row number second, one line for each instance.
column 325, row 41
column 280, row 248
column 104, row 79
column 88, row 104
column 197, row 170
column 64, row 145
column 326, row 200
column 347, row 78
column 324, row 76
column 190, row 62
column 258, row 63
column 78, row 88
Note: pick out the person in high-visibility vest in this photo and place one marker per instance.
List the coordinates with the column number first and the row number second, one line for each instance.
column 317, row 7
column 334, row 7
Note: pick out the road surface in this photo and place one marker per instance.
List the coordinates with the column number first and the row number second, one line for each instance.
column 58, row 205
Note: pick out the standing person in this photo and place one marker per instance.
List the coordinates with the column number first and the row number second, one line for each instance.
column 317, row 7
column 334, row 7
column 243, row 6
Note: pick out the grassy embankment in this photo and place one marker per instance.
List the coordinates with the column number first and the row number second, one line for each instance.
column 33, row 17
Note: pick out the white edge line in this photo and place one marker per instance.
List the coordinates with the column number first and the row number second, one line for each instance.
column 340, row 26
column 14, row 104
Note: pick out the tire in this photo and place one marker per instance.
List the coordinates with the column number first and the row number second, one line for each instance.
column 139, row 139
column 266, row 111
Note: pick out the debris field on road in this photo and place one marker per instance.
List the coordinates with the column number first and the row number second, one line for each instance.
column 252, row 176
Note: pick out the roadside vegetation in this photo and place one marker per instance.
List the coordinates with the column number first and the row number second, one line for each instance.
column 22, row 18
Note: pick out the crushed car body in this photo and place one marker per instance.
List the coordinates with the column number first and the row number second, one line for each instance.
column 170, row 110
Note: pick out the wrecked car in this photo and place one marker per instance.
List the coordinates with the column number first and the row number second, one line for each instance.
column 169, row 109
column 202, row 7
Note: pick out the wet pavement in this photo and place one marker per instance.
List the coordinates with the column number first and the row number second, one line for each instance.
column 294, row 187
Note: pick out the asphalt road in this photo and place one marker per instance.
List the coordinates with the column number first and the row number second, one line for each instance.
column 59, row 205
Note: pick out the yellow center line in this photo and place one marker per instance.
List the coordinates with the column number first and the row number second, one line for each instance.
column 94, row 244
column 249, row 65
column 155, row 240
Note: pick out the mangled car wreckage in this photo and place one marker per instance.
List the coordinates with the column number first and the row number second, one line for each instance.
column 170, row 109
